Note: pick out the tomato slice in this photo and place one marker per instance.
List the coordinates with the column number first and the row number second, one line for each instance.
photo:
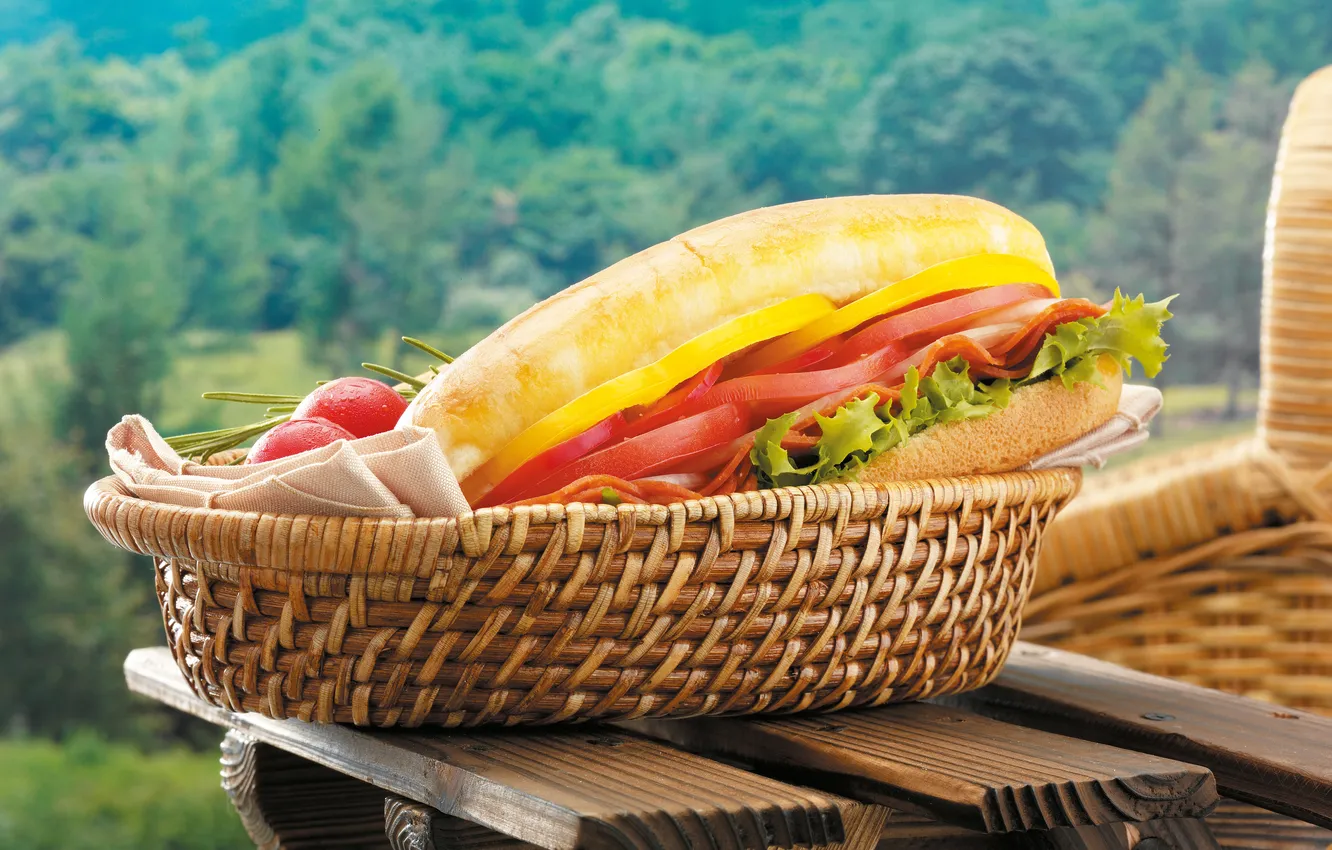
column 691, row 389
column 829, row 351
column 541, row 466
column 669, row 448
column 645, row 419
column 941, row 317
column 1036, row 328
column 979, row 271
column 882, row 349
column 645, row 385
column 813, row 357
column 616, row 427
column 777, row 394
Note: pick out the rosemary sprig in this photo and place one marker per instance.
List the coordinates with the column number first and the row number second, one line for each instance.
column 410, row 380
column 208, row 443
column 428, row 349
column 255, row 398
column 279, row 408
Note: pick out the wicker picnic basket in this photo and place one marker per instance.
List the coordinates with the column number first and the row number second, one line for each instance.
column 811, row 598
column 1215, row 565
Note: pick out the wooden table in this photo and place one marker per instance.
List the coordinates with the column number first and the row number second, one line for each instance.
column 1061, row 752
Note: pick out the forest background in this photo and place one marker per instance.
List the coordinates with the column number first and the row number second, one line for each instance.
column 256, row 195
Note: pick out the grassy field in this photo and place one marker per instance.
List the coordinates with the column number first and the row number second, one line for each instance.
column 263, row 363
column 88, row 793
column 260, row 363
column 1191, row 417
column 1181, row 436
column 1202, row 398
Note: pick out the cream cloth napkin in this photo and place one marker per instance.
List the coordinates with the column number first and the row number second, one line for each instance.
column 404, row 473
column 401, row 473
column 1125, row 430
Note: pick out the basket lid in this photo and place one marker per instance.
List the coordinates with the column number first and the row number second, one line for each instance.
column 1295, row 408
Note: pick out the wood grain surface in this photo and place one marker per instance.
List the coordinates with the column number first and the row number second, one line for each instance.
column 955, row 766
column 415, row 826
column 1274, row 757
column 573, row 788
column 240, row 774
column 1240, row 826
column 1167, row 834
column 288, row 803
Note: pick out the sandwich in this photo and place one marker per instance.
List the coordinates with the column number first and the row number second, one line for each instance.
column 872, row 339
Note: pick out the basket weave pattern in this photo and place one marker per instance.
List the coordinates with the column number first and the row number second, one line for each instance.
column 1224, row 576
column 1214, row 565
column 775, row 601
column 1295, row 416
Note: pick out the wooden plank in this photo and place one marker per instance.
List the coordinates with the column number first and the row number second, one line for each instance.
column 416, row 826
column 1166, row 834
column 1277, row 758
column 288, row 803
column 575, row 788
column 909, row 831
column 240, row 781
column 1174, row 834
column 955, row 766
column 1240, row 826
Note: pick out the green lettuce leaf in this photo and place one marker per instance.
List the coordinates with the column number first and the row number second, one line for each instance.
column 857, row 433
column 1130, row 331
column 773, row 461
column 851, row 429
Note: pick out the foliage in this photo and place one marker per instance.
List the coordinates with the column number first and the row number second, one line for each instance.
column 117, row 346
column 69, row 606
column 344, row 168
column 363, row 198
column 112, row 795
column 1185, row 207
column 1008, row 115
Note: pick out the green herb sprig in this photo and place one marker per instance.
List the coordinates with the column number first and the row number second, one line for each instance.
column 279, row 408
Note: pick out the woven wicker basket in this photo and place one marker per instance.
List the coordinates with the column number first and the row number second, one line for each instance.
column 1215, row 565
column 775, row 601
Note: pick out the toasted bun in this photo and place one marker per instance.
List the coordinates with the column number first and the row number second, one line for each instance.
column 1039, row 419
column 640, row 309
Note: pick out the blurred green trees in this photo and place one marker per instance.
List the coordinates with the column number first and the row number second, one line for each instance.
column 90, row 792
column 1010, row 115
column 370, row 168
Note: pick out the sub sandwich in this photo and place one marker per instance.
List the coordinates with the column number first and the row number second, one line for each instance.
column 873, row 338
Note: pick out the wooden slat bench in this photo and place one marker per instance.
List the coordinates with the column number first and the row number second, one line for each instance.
column 1060, row 752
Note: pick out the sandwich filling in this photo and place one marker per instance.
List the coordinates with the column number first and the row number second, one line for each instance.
column 820, row 400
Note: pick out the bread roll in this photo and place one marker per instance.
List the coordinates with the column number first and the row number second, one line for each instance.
column 1039, row 419
column 638, row 310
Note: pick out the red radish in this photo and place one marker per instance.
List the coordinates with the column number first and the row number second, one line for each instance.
column 363, row 406
column 296, row 436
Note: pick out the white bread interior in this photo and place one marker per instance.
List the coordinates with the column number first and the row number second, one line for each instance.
column 638, row 310
column 1039, row 419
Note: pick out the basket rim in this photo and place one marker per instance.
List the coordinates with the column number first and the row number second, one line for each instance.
column 110, row 488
